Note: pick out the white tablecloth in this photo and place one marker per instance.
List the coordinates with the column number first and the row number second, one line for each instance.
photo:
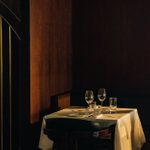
column 129, row 133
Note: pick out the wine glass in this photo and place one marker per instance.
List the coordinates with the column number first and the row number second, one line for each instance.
column 101, row 95
column 89, row 97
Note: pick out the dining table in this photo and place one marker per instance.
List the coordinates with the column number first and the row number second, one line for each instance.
column 129, row 134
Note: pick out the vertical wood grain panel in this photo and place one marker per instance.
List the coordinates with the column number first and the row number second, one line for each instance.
column 50, row 56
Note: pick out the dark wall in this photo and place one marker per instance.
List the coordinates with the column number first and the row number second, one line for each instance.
column 14, row 6
column 10, row 12
column 111, row 45
column 14, row 88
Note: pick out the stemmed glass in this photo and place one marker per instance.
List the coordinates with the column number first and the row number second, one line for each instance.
column 89, row 97
column 101, row 95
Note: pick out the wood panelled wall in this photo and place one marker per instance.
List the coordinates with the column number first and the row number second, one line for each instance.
column 50, row 52
column 111, row 46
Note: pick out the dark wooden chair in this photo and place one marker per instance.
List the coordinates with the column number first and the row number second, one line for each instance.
column 60, row 101
column 77, row 134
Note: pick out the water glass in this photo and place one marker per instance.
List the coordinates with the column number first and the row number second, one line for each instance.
column 113, row 104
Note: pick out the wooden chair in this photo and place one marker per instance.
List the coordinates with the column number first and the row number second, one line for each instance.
column 60, row 101
column 77, row 134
